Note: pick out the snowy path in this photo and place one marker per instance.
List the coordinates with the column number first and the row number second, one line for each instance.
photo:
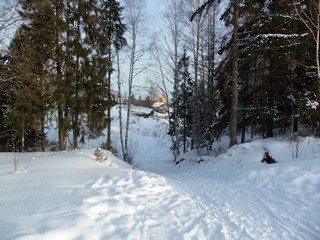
column 68, row 196
column 231, row 202
column 144, row 205
column 237, row 211
column 237, row 197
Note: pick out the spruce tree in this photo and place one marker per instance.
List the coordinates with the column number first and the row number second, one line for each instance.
column 62, row 88
column 113, row 30
column 69, row 44
column 180, row 122
column 270, row 42
column 29, row 64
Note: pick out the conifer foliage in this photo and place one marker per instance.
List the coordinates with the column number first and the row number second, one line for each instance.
column 181, row 115
column 29, row 92
column 61, row 61
column 250, row 70
column 262, row 79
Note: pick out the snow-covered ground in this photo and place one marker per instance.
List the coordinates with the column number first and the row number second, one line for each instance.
column 68, row 195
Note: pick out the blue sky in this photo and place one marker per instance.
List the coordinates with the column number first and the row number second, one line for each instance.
column 154, row 5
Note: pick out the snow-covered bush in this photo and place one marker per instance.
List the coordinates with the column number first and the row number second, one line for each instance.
column 15, row 162
column 296, row 145
column 100, row 156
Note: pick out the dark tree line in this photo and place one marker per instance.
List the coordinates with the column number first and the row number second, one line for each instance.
column 266, row 80
column 60, row 60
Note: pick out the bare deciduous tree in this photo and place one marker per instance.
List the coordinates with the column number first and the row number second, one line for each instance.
column 201, row 39
column 9, row 19
column 133, row 12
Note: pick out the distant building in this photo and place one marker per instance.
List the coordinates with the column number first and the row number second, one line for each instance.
column 160, row 104
column 161, row 98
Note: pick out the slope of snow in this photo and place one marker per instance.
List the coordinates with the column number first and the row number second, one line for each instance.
column 68, row 195
column 254, row 200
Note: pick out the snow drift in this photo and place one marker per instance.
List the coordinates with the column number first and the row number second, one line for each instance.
column 68, row 195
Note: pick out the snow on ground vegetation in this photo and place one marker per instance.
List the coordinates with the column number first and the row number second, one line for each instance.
column 69, row 195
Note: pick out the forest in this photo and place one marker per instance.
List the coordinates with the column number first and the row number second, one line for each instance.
column 242, row 68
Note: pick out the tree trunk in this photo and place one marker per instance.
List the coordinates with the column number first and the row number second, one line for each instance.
column 269, row 126
column 61, row 121
column 76, row 130
column 62, row 130
column 22, row 139
column 43, row 136
column 318, row 51
column 120, row 108
column 131, row 71
column 234, row 98
column 108, row 143
column 243, row 132
column 211, row 69
column 184, row 136
column 77, row 82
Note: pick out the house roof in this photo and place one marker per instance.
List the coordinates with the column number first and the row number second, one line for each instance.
column 157, row 104
column 161, row 98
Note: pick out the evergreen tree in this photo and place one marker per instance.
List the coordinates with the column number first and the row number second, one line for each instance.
column 274, row 39
column 270, row 39
column 76, row 55
column 113, row 30
column 181, row 116
column 70, row 45
column 5, row 131
column 61, row 85
column 29, row 62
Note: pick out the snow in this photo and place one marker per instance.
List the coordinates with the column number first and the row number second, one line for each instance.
column 69, row 195
column 279, row 35
column 312, row 104
column 158, row 104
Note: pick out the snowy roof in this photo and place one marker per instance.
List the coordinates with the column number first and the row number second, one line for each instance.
column 158, row 104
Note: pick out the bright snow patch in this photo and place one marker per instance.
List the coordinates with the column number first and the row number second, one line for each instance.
column 68, row 195
column 158, row 104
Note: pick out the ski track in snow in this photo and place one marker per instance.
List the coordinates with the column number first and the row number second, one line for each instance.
column 180, row 205
column 154, row 209
column 238, row 211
